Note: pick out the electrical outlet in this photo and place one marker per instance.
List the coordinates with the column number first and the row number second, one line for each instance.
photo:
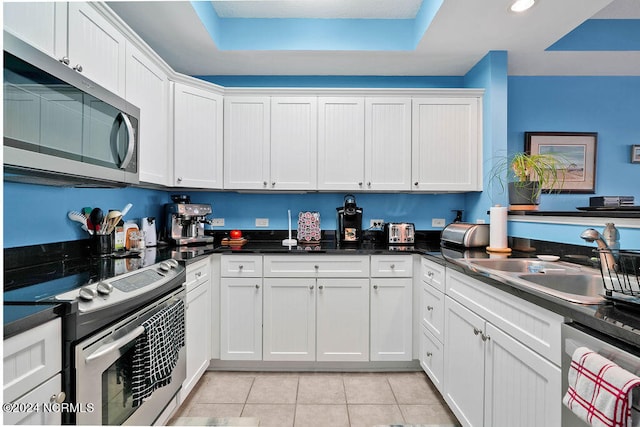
column 437, row 222
column 217, row 222
column 262, row 222
column 376, row 223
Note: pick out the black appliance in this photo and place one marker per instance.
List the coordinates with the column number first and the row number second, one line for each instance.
column 349, row 222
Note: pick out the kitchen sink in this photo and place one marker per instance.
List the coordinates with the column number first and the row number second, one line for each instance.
column 573, row 287
column 570, row 282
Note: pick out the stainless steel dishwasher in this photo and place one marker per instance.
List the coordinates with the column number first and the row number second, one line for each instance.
column 624, row 355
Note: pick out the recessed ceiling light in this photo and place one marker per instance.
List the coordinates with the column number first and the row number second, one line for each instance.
column 521, row 5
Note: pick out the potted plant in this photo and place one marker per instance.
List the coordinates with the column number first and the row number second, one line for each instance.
column 528, row 175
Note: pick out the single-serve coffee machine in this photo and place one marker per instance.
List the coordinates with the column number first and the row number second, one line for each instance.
column 185, row 221
column 349, row 222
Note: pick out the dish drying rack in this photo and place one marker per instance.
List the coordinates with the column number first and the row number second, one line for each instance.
column 622, row 279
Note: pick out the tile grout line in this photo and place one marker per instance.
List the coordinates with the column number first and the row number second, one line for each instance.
column 346, row 401
column 386, row 377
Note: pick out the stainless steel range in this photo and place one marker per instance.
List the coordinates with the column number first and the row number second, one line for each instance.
column 102, row 324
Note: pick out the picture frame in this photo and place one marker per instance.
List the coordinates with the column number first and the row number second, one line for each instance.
column 577, row 151
column 635, row 154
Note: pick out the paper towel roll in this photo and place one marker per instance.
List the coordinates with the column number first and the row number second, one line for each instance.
column 498, row 227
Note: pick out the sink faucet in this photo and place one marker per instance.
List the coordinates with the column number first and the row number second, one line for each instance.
column 607, row 257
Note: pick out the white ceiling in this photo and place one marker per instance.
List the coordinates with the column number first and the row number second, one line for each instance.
column 462, row 32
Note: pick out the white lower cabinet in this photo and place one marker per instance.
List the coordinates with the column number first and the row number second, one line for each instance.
column 43, row 394
column 241, row 318
column 391, row 315
column 197, row 322
column 490, row 378
column 342, row 320
column 289, row 319
column 432, row 358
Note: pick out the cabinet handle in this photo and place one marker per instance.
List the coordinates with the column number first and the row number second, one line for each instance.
column 429, row 354
column 369, row 184
column 476, row 331
column 375, row 287
column 316, row 267
column 257, row 286
column 320, row 287
column 78, row 68
column 240, row 267
column 311, row 287
column 58, row 398
column 485, row 337
column 429, row 308
column 360, row 184
column 198, row 274
column 392, row 266
column 179, row 179
column 273, row 184
column 64, row 60
column 264, row 183
column 415, row 183
column 430, row 274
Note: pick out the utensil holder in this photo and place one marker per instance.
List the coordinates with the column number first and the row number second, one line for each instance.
column 102, row 244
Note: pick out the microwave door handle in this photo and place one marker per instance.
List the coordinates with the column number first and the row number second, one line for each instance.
column 130, row 140
column 115, row 345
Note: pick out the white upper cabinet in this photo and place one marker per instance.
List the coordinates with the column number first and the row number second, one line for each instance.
column 341, row 143
column 294, row 141
column 387, row 137
column 147, row 88
column 447, row 144
column 96, row 48
column 197, row 137
column 247, row 133
column 270, row 143
column 41, row 24
column 74, row 33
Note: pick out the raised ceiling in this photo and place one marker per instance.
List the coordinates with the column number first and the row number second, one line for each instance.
column 388, row 37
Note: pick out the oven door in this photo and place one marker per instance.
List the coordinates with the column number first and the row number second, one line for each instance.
column 104, row 373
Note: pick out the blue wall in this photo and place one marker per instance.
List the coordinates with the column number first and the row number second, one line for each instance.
column 609, row 106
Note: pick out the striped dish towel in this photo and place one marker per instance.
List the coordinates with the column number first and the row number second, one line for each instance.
column 156, row 351
column 599, row 390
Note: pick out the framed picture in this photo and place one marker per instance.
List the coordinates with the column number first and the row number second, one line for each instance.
column 635, row 154
column 577, row 153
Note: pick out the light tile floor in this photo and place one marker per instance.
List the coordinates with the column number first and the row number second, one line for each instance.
column 314, row 399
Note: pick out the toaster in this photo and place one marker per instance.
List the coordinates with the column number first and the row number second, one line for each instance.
column 400, row 233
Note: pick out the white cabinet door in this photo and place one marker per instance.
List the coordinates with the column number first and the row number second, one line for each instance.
column 247, row 130
column 197, row 333
column 197, row 138
column 289, row 319
column 96, row 48
column 341, row 143
column 39, row 395
column 464, row 363
column 294, row 141
column 241, row 318
column 343, row 320
column 41, row 24
column 432, row 310
column 521, row 387
column 147, row 88
column 446, row 144
column 391, row 331
column 387, row 139
column 432, row 358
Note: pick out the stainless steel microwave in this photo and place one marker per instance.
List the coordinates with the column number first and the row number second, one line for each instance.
column 62, row 127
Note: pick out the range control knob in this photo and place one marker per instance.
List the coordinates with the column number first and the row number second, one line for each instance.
column 87, row 294
column 164, row 266
column 173, row 263
column 104, row 288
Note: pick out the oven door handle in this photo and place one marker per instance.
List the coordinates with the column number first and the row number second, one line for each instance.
column 120, row 342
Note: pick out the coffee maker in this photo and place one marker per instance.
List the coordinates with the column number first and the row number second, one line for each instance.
column 185, row 221
column 349, row 222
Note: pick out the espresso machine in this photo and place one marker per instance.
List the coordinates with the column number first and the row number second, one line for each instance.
column 185, row 221
column 349, row 222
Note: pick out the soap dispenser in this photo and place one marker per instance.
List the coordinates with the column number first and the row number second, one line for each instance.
column 611, row 236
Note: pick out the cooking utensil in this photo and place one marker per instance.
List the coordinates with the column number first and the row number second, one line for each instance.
column 111, row 220
column 126, row 209
column 78, row 217
column 96, row 216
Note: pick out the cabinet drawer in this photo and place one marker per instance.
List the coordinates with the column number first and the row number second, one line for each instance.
column 432, row 357
column 316, row 266
column 534, row 326
column 241, row 266
column 433, row 274
column 31, row 358
column 391, row 266
column 432, row 310
column 198, row 272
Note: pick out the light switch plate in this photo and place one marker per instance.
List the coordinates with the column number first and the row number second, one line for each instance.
column 217, row 222
column 437, row 222
column 262, row 222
